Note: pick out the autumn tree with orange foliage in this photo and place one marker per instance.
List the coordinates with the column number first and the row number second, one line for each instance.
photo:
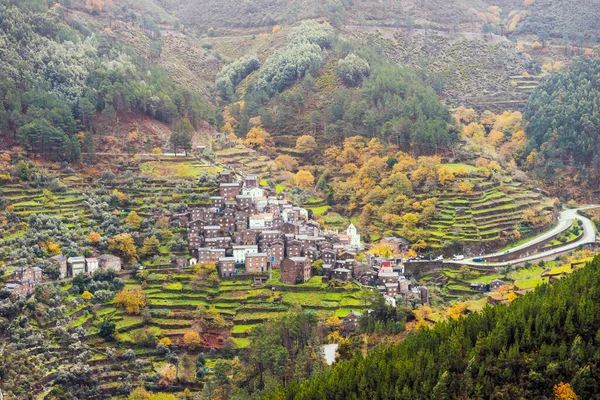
column 258, row 138
column 564, row 391
column 93, row 237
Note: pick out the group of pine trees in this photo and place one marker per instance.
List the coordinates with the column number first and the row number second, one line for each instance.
column 546, row 342
column 563, row 123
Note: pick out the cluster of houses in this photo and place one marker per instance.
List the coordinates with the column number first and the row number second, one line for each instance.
column 24, row 280
column 248, row 230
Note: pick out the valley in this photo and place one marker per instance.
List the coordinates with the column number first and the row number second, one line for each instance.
column 269, row 199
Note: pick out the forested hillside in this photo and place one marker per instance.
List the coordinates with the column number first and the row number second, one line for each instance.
column 542, row 343
column 557, row 17
column 64, row 86
column 564, row 121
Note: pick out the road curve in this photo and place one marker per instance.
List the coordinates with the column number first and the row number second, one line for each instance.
column 565, row 220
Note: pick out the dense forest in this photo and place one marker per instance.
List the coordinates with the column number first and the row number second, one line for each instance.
column 58, row 78
column 547, row 340
column 564, row 120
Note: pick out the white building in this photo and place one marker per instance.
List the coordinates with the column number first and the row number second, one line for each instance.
column 254, row 192
column 261, row 221
column 239, row 252
column 354, row 236
column 91, row 265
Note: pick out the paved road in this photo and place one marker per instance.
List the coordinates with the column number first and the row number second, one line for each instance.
column 565, row 220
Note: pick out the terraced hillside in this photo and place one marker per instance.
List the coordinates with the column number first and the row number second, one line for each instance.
column 488, row 215
column 173, row 304
column 246, row 161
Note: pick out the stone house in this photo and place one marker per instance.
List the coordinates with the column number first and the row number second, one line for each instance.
column 218, row 242
column 229, row 190
column 295, row 270
column 33, row 274
column 251, row 181
column 225, row 177
column 256, row 263
column 226, row 266
column 244, row 201
column 342, row 274
column 350, row 321
column 208, row 255
column 211, row 231
column 226, row 222
column 22, row 288
column 329, row 256
column 91, row 265
column 293, row 249
column 76, row 265
column 108, row 261
column 397, row 244
column 311, row 252
column 61, row 261
column 275, row 252
column 245, row 237
column 269, row 236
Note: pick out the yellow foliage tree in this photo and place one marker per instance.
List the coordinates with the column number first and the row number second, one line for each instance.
column 87, row 296
column 124, row 244
column 456, row 310
column 474, row 129
column 465, row 186
column 165, row 341
column 410, row 220
column 133, row 220
column 304, row 179
column 564, row 391
column 306, row 144
column 168, row 374
column 51, row 248
column 132, row 300
column 140, row 393
column 276, row 29
column 333, row 323
column 257, row 138
column 419, row 245
column 287, row 163
column 445, row 175
column 495, row 137
column 121, row 197
column 192, row 340
column 381, row 250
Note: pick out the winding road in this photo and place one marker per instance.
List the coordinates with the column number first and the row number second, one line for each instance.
column 565, row 220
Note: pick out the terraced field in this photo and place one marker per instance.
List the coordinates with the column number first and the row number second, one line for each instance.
column 486, row 215
column 245, row 161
